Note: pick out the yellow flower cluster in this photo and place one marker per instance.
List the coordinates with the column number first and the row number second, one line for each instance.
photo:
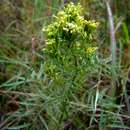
column 91, row 50
column 92, row 24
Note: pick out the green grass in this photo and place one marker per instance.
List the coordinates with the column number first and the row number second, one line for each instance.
column 27, row 101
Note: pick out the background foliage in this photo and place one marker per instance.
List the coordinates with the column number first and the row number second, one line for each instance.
column 26, row 101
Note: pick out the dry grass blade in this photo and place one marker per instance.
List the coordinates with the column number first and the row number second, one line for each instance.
column 112, row 32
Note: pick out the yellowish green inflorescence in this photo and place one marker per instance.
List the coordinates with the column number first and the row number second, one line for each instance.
column 69, row 49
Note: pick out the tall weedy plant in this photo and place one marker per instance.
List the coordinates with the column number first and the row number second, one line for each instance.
column 70, row 56
column 69, row 49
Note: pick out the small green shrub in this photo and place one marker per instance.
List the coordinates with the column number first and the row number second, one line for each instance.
column 70, row 55
column 69, row 47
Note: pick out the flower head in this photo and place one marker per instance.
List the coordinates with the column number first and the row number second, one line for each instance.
column 91, row 50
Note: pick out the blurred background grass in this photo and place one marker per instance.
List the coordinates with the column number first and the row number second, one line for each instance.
column 24, row 101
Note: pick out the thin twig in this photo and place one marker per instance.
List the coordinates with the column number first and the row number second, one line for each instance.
column 112, row 33
column 33, row 41
column 17, row 93
column 118, row 25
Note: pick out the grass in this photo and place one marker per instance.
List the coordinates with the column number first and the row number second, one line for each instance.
column 28, row 102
